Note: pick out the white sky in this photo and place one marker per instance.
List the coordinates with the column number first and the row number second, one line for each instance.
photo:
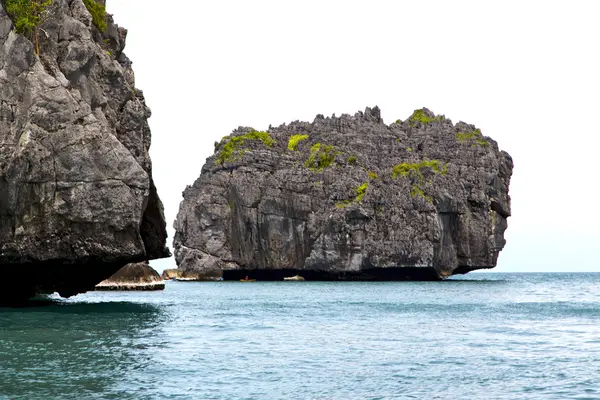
column 526, row 72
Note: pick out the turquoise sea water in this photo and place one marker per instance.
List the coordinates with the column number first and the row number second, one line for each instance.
column 482, row 336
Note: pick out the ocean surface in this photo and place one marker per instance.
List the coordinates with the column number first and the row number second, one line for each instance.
column 479, row 336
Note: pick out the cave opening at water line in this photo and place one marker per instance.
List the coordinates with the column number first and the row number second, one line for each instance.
column 373, row 274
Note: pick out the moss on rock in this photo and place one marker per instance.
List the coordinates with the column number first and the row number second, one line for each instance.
column 320, row 157
column 474, row 135
column 232, row 148
column 422, row 117
column 418, row 191
column 361, row 191
column 294, row 140
column 98, row 11
column 403, row 169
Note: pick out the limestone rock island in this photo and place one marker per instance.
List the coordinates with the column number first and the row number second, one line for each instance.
column 77, row 198
column 347, row 198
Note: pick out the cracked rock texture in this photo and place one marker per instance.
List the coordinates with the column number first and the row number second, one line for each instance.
column 77, row 199
column 264, row 212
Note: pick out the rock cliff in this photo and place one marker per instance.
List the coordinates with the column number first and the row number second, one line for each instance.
column 347, row 198
column 77, row 199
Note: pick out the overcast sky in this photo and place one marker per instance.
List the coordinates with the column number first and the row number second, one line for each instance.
column 527, row 73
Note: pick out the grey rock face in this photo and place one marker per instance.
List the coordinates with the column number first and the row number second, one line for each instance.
column 418, row 199
column 77, row 199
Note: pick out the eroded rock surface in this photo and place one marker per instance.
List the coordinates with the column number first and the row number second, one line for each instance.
column 170, row 274
column 135, row 276
column 347, row 198
column 77, row 199
column 181, row 275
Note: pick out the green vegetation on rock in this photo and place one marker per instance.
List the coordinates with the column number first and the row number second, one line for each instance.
column 482, row 142
column 404, row 169
column 294, row 140
column 418, row 191
column 98, row 12
column 343, row 204
column 423, row 118
column 472, row 135
column 231, row 149
column 372, row 175
column 320, row 157
column 445, row 169
column 360, row 191
column 360, row 194
column 416, row 171
column 352, row 160
column 27, row 15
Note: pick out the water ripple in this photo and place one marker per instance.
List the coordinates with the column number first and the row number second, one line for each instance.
column 492, row 336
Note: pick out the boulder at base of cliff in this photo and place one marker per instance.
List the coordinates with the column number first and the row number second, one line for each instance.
column 136, row 276
column 184, row 276
column 348, row 198
column 171, row 274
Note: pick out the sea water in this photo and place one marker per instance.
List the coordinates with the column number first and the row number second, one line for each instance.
column 481, row 336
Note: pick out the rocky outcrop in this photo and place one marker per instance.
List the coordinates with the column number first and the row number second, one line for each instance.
column 170, row 274
column 135, row 276
column 77, row 199
column 347, row 198
column 180, row 275
column 294, row 278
